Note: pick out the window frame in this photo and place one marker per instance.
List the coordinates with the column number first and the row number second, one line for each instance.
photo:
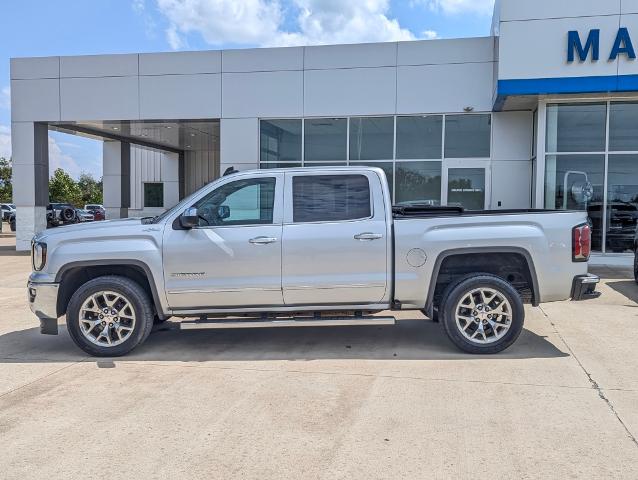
column 235, row 180
column 542, row 156
column 445, row 161
column 288, row 196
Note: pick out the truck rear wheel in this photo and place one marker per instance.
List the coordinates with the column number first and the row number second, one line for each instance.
column 109, row 316
column 482, row 314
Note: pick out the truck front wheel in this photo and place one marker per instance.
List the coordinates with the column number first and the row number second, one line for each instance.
column 482, row 314
column 109, row 316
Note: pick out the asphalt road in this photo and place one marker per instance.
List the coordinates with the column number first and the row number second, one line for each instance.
column 344, row 402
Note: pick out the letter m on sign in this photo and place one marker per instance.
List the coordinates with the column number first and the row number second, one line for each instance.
column 575, row 46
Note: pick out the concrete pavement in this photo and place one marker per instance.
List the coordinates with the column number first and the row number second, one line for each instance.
column 350, row 402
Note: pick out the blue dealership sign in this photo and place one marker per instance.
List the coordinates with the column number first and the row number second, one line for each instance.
column 576, row 49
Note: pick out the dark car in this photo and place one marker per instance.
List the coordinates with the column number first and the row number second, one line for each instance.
column 622, row 219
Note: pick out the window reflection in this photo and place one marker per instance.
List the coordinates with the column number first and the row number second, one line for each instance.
column 418, row 182
column 622, row 202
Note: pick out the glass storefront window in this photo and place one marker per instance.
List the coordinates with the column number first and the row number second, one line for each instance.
column 623, row 127
column 576, row 127
column 279, row 165
column 622, row 202
column 418, row 182
column 466, row 187
column 467, row 136
column 387, row 167
column 280, row 141
column 325, row 139
column 576, row 182
column 372, row 138
column 419, row 137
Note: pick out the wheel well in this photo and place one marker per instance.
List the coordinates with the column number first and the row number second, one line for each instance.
column 510, row 266
column 75, row 277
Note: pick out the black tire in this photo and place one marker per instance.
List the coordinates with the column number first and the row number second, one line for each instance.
column 458, row 290
column 141, row 305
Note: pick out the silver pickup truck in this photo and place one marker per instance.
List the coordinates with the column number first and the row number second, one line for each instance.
column 306, row 247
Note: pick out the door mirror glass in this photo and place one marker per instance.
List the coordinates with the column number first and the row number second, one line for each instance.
column 189, row 218
column 223, row 211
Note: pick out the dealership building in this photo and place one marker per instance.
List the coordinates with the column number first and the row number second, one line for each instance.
column 543, row 113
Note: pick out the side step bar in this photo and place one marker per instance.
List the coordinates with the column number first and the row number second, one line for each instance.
column 288, row 322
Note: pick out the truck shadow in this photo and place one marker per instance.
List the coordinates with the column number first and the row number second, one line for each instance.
column 627, row 288
column 408, row 340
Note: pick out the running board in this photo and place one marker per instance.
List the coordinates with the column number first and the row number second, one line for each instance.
column 289, row 322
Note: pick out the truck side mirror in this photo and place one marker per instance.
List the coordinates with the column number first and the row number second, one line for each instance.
column 223, row 211
column 189, row 218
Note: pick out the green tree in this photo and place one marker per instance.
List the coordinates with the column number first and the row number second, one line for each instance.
column 62, row 188
column 6, row 191
column 90, row 189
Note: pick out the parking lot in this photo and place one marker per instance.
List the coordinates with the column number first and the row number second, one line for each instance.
column 344, row 402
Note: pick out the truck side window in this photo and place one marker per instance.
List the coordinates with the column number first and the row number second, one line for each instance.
column 243, row 202
column 330, row 198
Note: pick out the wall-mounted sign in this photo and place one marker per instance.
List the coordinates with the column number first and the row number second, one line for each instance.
column 590, row 49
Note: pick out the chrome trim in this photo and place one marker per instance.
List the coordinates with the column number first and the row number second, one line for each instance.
column 225, row 290
column 301, row 322
column 330, row 287
column 44, row 303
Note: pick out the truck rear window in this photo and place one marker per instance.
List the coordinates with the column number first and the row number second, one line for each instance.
column 330, row 198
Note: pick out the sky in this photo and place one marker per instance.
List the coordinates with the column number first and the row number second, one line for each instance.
column 82, row 27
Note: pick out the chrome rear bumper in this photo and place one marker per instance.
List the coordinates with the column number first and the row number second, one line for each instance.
column 584, row 287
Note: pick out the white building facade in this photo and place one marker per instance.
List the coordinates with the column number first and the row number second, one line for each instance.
column 541, row 114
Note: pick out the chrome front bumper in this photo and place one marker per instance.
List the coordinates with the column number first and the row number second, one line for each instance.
column 43, row 301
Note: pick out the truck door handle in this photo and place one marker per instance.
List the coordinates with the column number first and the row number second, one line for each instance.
column 262, row 240
column 368, row 236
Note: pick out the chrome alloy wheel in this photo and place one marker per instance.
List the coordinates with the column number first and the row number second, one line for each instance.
column 483, row 315
column 107, row 318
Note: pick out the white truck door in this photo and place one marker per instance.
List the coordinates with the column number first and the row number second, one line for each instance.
column 233, row 259
column 334, row 239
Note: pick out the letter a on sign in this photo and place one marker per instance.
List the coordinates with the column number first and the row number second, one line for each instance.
column 623, row 45
column 574, row 45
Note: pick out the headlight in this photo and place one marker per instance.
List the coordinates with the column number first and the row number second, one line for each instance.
column 38, row 255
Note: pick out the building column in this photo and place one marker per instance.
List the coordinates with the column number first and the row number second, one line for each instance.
column 239, row 144
column 181, row 176
column 170, row 176
column 30, row 153
column 116, row 179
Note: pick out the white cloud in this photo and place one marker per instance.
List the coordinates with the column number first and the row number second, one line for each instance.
column 139, row 6
column 430, row 34
column 5, row 97
column 5, row 141
column 59, row 159
column 263, row 22
column 455, row 7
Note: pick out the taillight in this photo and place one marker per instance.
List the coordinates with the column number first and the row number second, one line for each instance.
column 581, row 243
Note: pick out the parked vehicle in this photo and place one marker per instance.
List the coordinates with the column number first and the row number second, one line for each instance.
column 315, row 246
column 7, row 209
column 61, row 214
column 83, row 215
column 98, row 211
